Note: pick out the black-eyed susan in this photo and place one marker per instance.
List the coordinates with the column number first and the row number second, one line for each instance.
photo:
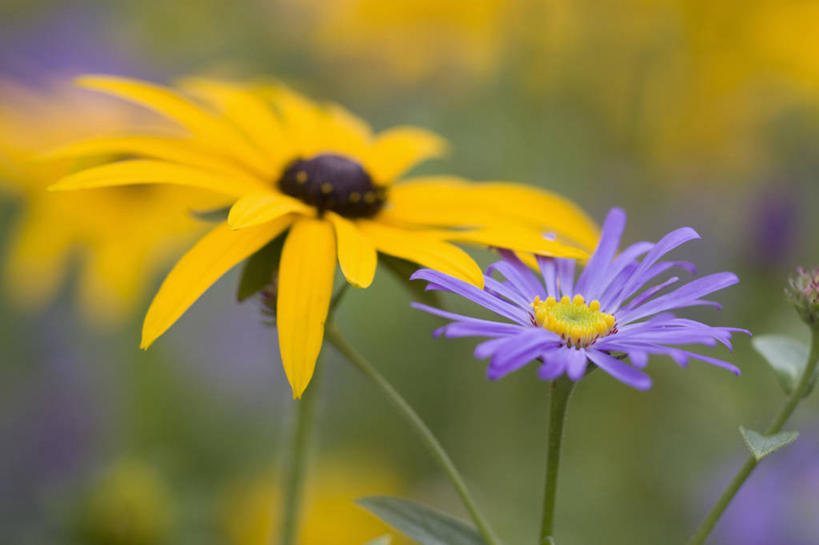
column 118, row 237
column 318, row 172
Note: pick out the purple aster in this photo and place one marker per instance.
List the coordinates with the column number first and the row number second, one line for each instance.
column 605, row 317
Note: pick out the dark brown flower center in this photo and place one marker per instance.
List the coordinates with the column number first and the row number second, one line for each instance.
column 333, row 182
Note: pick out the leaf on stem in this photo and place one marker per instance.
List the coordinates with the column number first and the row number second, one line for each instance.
column 422, row 524
column 787, row 357
column 763, row 445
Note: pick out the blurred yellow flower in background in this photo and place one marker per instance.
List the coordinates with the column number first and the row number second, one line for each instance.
column 122, row 237
column 288, row 163
column 687, row 84
column 127, row 504
column 409, row 40
column 331, row 516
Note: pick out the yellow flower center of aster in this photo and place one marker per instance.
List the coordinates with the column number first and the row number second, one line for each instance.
column 333, row 182
column 576, row 322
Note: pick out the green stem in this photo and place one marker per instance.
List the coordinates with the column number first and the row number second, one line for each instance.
column 561, row 391
column 750, row 463
column 335, row 337
column 296, row 462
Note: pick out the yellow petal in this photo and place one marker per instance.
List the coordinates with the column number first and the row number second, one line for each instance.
column 261, row 207
column 217, row 134
column 145, row 171
column 453, row 202
column 423, row 248
column 211, row 257
column 520, row 239
column 396, row 150
column 176, row 150
column 306, row 273
column 342, row 132
column 356, row 254
column 247, row 110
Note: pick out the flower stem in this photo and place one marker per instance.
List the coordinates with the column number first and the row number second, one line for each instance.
column 296, row 462
column 336, row 339
column 561, row 391
column 750, row 463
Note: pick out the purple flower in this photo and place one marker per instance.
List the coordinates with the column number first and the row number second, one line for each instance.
column 602, row 318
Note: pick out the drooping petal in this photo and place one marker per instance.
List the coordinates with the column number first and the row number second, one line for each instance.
column 211, row 257
column 423, row 249
column 263, row 206
column 518, row 350
column 143, row 171
column 396, row 150
column 523, row 240
column 621, row 371
column 306, row 271
column 356, row 254
column 465, row 289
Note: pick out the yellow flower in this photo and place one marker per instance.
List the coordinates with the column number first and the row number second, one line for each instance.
column 408, row 40
column 128, row 504
column 331, row 517
column 320, row 172
column 121, row 236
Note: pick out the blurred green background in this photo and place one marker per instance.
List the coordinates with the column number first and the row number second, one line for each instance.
column 684, row 112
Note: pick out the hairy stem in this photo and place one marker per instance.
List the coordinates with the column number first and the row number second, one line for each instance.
column 750, row 463
column 418, row 425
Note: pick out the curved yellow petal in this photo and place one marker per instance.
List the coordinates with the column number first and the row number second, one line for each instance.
column 217, row 134
column 145, row 171
column 247, row 110
column 176, row 150
column 519, row 239
column 356, row 254
column 423, row 248
column 396, row 150
column 342, row 132
column 261, row 207
column 453, row 202
column 306, row 271
column 211, row 257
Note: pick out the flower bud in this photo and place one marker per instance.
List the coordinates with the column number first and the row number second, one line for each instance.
column 803, row 292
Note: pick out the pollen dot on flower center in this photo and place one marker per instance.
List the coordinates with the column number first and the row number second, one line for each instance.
column 577, row 323
column 333, row 182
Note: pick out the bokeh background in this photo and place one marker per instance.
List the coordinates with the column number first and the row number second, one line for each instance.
column 685, row 112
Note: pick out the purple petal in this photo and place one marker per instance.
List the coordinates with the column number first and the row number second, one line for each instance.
column 464, row 289
column 681, row 297
column 552, row 367
column 487, row 348
column 604, row 253
column 547, row 270
column 607, row 280
column 519, row 274
column 651, row 292
column 517, row 351
column 480, row 328
column 565, row 275
column 666, row 244
column 505, row 290
column 619, row 370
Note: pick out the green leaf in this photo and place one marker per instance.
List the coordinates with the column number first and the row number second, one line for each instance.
column 383, row 540
column 762, row 445
column 259, row 268
column 420, row 523
column 402, row 270
column 786, row 356
column 214, row 215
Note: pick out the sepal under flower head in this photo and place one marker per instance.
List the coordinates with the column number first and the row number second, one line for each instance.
column 803, row 292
